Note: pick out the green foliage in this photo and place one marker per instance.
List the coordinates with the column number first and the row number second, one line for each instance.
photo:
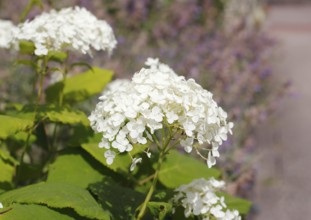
column 56, row 195
column 57, row 56
column 74, row 168
column 59, row 114
column 160, row 209
column 11, row 125
column 242, row 205
column 7, row 166
column 51, row 165
column 180, row 169
column 32, row 212
column 120, row 201
column 7, row 172
column 79, row 87
column 26, row 47
column 121, row 163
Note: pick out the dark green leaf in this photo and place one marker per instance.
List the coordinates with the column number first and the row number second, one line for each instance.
column 82, row 134
column 56, row 195
column 159, row 210
column 120, row 201
column 80, row 87
column 178, row 169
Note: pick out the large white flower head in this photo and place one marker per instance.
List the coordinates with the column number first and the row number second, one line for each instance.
column 157, row 98
column 75, row 28
column 7, row 30
column 198, row 198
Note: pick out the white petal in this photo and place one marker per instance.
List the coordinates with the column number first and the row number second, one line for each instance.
column 211, row 161
column 135, row 162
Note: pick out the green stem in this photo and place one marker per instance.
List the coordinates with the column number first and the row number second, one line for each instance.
column 41, row 72
column 61, row 96
column 28, row 8
column 143, row 208
column 60, row 100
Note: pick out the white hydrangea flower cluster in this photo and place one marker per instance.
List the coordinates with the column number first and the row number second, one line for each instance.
column 74, row 27
column 7, row 31
column 131, row 111
column 199, row 199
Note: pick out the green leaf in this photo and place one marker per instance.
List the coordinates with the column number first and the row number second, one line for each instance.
column 29, row 173
column 11, row 125
column 29, row 63
column 31, row 212
column 178, row 169
column 73, row 168
column 26, row 47
column 7, row 171
column 80, row 87
column 56, row 195
column 121, row 163
column 242, row 205
column 82, row 134
column 19, row 139
column 120, row 201
column 159, row 209
column 7, row 157
column 58, row 114
column 82, row 64
column 57, row 56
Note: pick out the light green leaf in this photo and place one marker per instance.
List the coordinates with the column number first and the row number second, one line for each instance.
column 5, row 155
column 57, row 114
column 11, row 125
column 31, row 212
column 26, row 47
column 80, row 87
column 66, row 116
column 57, row 56
column 7, row 171
column 120, row 163
column 178, row 169
column 56, row 195
column 120, row 201
column 242, row 205
column 73, row 168
column 159, row 209
column 21, row 137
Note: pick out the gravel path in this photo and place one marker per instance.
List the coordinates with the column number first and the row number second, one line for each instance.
column 284, row 185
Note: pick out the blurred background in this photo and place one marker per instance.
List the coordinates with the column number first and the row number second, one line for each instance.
column 254, row 56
